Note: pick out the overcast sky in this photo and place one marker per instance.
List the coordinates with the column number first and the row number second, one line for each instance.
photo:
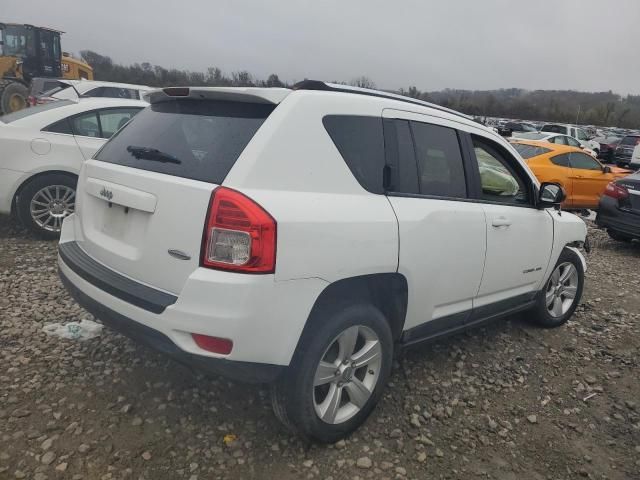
column 589, row 45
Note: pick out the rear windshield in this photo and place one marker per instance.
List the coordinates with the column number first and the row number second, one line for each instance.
column 529, row 151
column 197, row 139
column 629, row 141
column 27, row 112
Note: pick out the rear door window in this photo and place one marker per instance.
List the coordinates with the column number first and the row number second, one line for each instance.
column 197, row 139
column 440, row 167
column 583, row 161
column 114, row 119
column 86, row 125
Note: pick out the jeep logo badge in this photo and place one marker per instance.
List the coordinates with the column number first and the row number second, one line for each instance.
column 108, row 194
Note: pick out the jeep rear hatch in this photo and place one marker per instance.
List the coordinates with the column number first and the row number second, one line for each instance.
column 147, row 191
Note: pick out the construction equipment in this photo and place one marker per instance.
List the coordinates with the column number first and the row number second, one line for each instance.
column 26, row 52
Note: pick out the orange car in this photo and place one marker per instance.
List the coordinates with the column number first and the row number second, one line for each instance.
column 582, row 176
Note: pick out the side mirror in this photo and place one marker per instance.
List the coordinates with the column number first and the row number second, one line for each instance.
column 606, row 169
column 551, row 195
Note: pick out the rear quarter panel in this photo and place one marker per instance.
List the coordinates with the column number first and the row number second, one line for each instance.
column 329, row 226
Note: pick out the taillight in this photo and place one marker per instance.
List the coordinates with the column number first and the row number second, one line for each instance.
column 239, row 234
column 616, row 191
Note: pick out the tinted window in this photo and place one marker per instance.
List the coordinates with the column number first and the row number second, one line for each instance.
column 583, row 161
column 560, row 140
column 440, row 168
column 498, row 178
column 554, row 129
column 113, row 92
column 629, row 141
column 529, row 151
column 114, row 119
column 26, row 112
column 63, row 126
column 205, row 136
column 561, row 160
column 360, row 141
column 86, row 125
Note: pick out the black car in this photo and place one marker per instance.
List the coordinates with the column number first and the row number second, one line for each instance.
column 619, row 209
column 607, row 147
column 624, row 150
column 508, row 128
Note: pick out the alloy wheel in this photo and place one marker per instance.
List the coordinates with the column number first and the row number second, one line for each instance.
column 50, row 205
column 561, row 289
column 347, row 374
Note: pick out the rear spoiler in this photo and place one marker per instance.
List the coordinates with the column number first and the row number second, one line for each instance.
column 236, row 94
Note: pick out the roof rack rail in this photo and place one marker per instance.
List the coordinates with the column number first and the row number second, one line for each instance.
column 335, row 87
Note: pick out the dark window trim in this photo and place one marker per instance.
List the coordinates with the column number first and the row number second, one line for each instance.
column 512, row 163
column 392, row 159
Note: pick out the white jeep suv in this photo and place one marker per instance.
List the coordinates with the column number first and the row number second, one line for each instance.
column 298, row 237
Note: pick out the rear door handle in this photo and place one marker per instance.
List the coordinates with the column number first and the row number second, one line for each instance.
column 501, row 222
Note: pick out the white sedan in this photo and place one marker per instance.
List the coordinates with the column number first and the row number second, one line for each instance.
column 557, row 138
column 42, row 149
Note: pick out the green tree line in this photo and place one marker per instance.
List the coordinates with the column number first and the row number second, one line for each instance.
column 567, row 106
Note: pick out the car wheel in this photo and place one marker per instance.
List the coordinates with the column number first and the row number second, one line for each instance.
column 557, row 301
column 44, row 202
column 337, row 374
column 619, row 237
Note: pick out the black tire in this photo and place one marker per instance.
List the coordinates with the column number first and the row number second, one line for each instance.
column 293, row 394
column 540, row 314
column 619, row 237
column 10, row 91
column 27, row 193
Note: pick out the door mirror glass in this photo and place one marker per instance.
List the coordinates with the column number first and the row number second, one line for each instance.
column 606, row 169
column 551, row 194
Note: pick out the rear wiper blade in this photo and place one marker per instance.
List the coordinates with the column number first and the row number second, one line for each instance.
column 148, row 153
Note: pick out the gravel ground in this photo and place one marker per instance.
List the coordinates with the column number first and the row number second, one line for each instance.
column 509, row 401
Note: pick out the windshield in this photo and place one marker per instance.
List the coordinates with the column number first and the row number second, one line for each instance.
column 27, row 112
column 531, row 135
column 529, row 151
column 630, row 140
column 17, row 41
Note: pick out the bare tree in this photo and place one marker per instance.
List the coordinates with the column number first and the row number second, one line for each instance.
column 363, row 82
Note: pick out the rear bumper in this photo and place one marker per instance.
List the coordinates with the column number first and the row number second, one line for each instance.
column 249, row 372
column 611, row 217
column 264, row 318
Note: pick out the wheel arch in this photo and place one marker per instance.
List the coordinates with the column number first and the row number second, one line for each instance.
column 386, row 291
column 33, row 177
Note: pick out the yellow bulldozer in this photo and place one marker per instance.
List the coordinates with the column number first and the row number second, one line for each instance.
column 27, row 52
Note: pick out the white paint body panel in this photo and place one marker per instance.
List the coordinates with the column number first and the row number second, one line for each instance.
column 328, row 228
column 25, row 150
